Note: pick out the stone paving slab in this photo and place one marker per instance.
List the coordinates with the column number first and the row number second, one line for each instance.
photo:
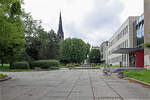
column 70, row 85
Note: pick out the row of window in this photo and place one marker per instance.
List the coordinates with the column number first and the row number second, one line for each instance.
column 119, row 36
column 118, row 59
column 122, row 45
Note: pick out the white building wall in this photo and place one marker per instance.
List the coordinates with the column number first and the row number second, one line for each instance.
column 126, row 40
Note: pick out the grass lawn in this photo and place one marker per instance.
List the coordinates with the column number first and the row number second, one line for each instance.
column 114, row 66
column 108, row 66
column 139, row 75
column 2, row 75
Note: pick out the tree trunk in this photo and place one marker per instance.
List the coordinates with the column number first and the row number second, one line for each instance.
column 10, row 65
column 2, row 61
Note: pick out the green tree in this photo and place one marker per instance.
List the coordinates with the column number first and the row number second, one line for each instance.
column 94, row 56
column 73, row 50
column 50, row 49
column 11, row 30
column 39, row 43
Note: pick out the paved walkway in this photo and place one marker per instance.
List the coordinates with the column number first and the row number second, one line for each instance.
column 70, row 85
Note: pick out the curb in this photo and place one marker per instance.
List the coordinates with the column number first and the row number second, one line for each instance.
column 140, row 82
column 5, row 79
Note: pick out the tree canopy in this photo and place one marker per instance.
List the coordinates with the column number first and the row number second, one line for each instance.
column 73, row 50
column 40, row 44
column 11, row 30
column 94, row 56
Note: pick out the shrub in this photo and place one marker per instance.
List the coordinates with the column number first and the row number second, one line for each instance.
column 2, row 75
column 76, row 64
column 46, row 64
column 21, row 65
column 70, row 65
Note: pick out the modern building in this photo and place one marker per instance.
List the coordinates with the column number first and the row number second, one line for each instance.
column 60, row 33
column 123, row 38
column 126, row 45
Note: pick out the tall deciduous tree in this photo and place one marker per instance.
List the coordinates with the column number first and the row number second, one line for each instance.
column 39, row 43
column 50, row 49
column 11, row 30
column 94, row 56
column 73, row 50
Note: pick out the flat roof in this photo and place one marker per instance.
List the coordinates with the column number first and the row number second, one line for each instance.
column 126, row 50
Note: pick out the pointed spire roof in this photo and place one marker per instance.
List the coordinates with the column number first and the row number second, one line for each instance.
column 60, row 32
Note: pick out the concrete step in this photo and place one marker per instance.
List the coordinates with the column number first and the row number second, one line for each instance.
column 85, row 65
column 86, row 68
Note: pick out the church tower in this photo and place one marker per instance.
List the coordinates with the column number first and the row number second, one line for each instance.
column 60, row 32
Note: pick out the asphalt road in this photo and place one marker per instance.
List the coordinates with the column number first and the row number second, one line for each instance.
column 70, row 85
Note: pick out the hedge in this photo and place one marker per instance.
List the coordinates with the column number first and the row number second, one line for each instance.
column 21, row 65
column 71, row 65
column 46, row 64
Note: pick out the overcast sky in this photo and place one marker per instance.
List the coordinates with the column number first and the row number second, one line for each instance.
column 94, row 21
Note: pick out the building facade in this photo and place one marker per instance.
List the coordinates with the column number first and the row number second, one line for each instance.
column 126, row 45
column 123, row 38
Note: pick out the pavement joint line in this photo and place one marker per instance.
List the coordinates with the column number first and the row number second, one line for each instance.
column 91, row 86
column 74, row 86
column 62, row 82
column 27, row 92
column 24, row 93
column 58, row 85
column 110, row 86
column 44, row 83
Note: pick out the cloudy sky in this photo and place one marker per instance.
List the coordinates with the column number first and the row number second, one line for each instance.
column 94, row 21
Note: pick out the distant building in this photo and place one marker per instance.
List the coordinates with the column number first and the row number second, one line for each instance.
column 60, row 33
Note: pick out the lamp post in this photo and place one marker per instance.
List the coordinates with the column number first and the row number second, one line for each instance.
column 107, row 53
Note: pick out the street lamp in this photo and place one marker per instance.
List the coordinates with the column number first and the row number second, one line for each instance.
column 107, row 45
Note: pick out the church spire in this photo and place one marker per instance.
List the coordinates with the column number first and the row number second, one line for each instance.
column 60, row 32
